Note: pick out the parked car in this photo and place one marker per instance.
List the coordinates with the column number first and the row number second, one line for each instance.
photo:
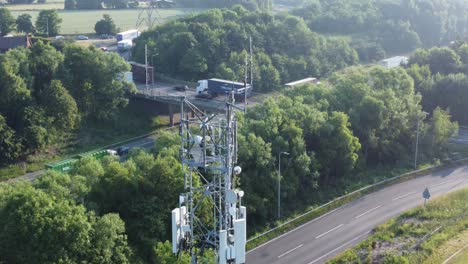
column 104, row 49
column 82, row 37
column 59, row 37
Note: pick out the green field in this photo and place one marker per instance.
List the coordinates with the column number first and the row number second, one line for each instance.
column 83, row 21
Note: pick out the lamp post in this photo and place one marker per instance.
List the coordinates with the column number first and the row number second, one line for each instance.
column 417, row 140
column 279, row 181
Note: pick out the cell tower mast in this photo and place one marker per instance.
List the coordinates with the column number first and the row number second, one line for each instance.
column 210, row 213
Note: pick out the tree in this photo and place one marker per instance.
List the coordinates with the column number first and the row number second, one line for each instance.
column 61, row 106
column 42, row 228
column 92, row 78
column 70, row 4
column 105, row 26
column 24, row 24
column 7, row 22
column 443, row 60
column 442, row 129
column 48, row 23
column 116, row 3
column 44, row 63
column 88, row 4
column 10, row 147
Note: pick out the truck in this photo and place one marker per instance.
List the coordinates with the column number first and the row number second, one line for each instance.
column 124, row 45
column 213, row 87
column 127, row 35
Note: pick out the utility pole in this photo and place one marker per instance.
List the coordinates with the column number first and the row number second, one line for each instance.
column 251, row 63
column 279, row 182
column 47, row 24
column 245, row 85
column 146, row 69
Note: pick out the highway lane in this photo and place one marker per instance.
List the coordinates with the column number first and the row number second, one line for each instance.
column 322, row 238
column 145, row 143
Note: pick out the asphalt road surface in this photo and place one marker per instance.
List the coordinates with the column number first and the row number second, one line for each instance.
column 145, row 143
column 319, row 240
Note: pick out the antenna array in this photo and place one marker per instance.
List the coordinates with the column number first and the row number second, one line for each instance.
column 210, row 213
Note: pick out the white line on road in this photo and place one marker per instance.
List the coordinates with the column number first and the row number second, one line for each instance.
column 440, row 183
column 331, row 230
column 289, row 251
column 399, row 197
column 366, row 212
column 456, row 253
column 338, row 248
column 301, row 226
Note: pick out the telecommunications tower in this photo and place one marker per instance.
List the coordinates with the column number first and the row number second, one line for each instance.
column 210, row 214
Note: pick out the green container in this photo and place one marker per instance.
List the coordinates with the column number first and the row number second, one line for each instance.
column 99, row 154
column 62, row 166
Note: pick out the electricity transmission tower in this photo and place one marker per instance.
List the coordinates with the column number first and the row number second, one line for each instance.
column 148, row 15
column 210, row 214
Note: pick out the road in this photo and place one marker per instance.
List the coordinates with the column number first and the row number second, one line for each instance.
column 322, row 238
column 146, row 143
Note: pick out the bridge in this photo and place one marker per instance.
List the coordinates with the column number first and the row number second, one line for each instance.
column 166, row 95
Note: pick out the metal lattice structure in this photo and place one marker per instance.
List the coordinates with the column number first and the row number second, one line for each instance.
column 209, row 155
column 148, row 15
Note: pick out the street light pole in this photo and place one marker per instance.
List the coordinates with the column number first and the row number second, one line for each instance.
column 279, row 182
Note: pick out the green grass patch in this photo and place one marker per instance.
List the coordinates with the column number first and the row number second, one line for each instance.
column 405, row 239
column 461, row 258
column 133, row 121
column 83, row 21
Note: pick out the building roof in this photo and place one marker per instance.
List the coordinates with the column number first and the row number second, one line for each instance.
column 306, row 80
column 394, row 61
column 7, row 43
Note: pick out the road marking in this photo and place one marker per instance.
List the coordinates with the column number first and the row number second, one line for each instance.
column 399, row 197
column 455, row 254
column 441, row 183
column 301, row 226
column 366, row 212
column 289, row 251
column 331, row 230
column 338, row 248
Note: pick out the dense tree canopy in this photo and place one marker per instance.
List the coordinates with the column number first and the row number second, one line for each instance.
column 45, row 94
column 440, row 76
column 7, row 22
column 105, row 26
column 394, row 25
column 24, row 24
column 215, row 44
column 48, row 23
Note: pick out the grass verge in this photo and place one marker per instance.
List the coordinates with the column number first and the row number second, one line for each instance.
column 405, row 239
